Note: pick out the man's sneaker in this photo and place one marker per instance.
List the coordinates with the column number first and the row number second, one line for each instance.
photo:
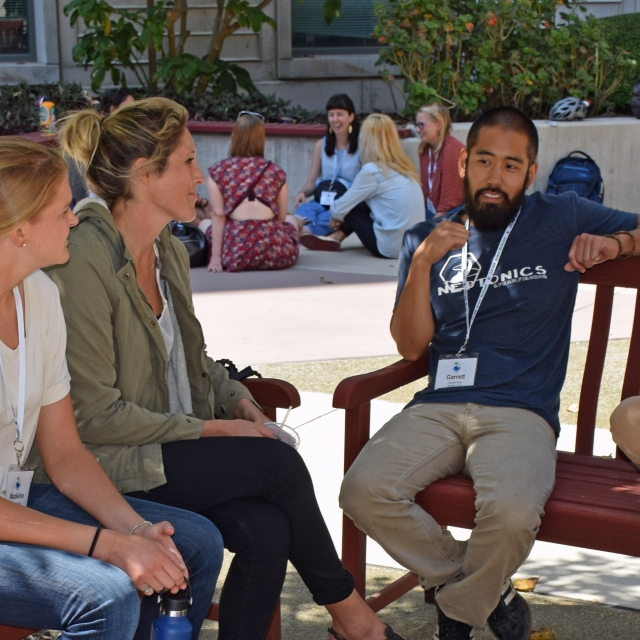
column 511, row 619
column 449, row 629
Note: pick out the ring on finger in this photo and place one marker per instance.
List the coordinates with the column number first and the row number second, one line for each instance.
column 147, row 590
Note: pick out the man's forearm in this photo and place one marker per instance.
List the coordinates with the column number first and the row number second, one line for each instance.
column 412, row 324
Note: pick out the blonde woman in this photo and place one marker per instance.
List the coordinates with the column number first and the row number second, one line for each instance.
column 162, row 417
column 388, row 183
column 439, row 154
column 248, row 195
column 47, row 531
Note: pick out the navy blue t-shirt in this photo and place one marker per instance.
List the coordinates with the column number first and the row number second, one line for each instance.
column 523, row 328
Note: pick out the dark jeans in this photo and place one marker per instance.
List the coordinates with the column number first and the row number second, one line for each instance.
column 360, row 222
column 259, row 494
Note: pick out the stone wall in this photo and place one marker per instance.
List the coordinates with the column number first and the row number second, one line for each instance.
column 614, row 143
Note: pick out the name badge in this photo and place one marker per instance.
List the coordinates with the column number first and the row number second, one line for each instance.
column 19, row 483
column 327, row 198
column 456, row 371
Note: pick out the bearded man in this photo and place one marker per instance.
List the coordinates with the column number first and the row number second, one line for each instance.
column 490, row 288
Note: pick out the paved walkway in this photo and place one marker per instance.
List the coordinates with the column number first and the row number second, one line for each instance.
column 338, row 305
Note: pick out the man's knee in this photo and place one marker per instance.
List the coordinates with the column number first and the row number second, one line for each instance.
column 509, row 516
column 625, row 424
column 360, row 492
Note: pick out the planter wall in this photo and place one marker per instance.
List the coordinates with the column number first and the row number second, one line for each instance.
column 614, row 143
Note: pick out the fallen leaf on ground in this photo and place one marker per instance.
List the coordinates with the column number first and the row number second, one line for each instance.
column 574, row 408
column 544, row 634
column 325, row 281
column 525, row 584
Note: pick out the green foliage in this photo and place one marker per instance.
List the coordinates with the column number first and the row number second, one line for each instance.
column 116, row 39
column 624, row 30
column 223, row 107
column 18, row 110
column 471, row 55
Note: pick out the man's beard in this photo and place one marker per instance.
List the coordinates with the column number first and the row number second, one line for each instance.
column 487, row 216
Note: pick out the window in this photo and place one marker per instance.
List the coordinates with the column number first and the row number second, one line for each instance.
column 351, row 32
column 17, row 33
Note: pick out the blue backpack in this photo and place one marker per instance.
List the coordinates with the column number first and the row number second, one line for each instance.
column 579, row 174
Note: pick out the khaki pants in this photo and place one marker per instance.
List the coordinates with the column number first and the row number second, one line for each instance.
column 510, row 456
column 625, row 427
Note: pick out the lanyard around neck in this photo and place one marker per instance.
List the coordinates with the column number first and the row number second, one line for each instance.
column 336, row 166
column 487, row 281
column 432, row 165
column 18, row 415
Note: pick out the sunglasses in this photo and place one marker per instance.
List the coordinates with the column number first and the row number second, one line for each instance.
column 250, row 113
column 420, row 125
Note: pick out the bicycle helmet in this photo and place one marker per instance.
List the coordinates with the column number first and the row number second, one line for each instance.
column 569, row 109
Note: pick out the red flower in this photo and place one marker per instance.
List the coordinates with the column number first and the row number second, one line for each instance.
column 469, row 26
column 492, row 21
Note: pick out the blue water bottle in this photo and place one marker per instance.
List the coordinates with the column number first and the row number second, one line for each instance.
column 172, row 623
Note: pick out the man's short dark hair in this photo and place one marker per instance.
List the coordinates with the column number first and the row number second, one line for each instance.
column 508, row 118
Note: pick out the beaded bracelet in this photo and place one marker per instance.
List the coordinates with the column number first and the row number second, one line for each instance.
column 626, row 256
column 139, row 525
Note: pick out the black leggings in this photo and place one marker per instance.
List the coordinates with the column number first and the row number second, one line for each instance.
column 360, row 222
column 259, row 494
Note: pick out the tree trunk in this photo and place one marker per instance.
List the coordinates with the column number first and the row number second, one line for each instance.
column 153, row 67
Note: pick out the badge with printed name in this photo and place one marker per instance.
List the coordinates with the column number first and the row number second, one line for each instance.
column 456, row 371
column 19, row 483
column 327, row 198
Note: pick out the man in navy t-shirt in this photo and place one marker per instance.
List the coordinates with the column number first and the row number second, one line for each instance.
column 498, row 358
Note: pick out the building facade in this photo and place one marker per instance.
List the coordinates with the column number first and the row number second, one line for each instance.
column 302, row 60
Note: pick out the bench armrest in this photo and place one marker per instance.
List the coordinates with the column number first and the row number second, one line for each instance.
column 358, row 390
column 273, row 393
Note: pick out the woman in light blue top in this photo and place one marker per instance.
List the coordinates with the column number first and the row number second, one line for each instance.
column 388, row 182
column 334, row 167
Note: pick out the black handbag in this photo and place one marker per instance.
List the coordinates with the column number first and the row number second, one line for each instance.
column 334, row 186
column 195, row 242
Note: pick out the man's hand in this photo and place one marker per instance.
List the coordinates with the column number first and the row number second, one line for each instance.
column 588, row 250
column 445, row 237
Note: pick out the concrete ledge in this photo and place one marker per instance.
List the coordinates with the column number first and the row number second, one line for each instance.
column 29, row 72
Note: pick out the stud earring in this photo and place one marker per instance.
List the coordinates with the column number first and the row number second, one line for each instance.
column 24, row 244
column 330, row 130
column 350, row 129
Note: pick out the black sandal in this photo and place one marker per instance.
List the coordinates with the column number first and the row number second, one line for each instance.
column 389, row 633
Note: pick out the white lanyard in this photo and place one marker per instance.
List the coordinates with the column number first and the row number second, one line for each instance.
column 336, row 166
column 18, row 416
column 487, row 282
column 432, row 165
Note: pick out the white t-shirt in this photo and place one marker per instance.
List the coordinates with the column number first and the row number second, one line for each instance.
column 47, row 376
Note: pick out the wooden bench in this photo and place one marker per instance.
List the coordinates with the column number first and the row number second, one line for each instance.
column 595, row 503
column 270, row 394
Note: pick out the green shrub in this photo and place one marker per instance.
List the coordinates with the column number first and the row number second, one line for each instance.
column 624, row 30
column 19, row 112
column 474, row 55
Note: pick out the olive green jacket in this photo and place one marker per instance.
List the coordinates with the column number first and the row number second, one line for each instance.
column 117, row 356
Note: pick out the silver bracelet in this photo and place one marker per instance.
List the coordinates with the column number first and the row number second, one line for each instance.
column 139, row 525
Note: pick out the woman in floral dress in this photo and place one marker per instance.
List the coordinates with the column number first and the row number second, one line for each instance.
column 248, row 195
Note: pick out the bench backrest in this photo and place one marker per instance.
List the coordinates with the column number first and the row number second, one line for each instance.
column 607, row 276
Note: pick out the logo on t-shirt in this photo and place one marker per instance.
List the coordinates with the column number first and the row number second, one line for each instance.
column 452, row 276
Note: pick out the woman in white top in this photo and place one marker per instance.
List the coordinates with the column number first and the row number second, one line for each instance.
column 47, row 531
column 388, row 183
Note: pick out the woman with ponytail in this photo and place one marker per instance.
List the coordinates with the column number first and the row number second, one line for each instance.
column 162, row 418
column 74, row 555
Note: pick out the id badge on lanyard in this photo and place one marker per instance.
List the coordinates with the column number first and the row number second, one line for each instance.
column 327, row 198
column 459, row 370
column 19, row 476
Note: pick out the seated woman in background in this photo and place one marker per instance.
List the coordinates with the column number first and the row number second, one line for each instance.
column 439, row 154
column 334, row 167
column 388, row 183
column 248, row 198
column 112, row 99
column 625, row 428
column 47, row 531
column 162, row 418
